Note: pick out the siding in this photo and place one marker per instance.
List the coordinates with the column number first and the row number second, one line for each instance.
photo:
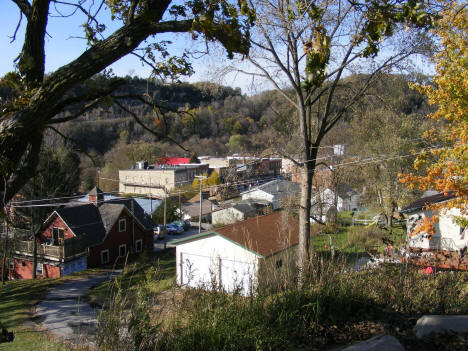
column 57, row 222
column 114, row 239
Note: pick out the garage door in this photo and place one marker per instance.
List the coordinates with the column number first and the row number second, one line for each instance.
column 237, row 276
column 196, row 270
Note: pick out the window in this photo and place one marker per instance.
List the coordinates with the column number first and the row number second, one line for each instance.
column 122, row 250
column 39, row 269
column 57, row 233
column 138, row 245
column 11, row 264
column 279, row 263
column 122, row 225
column 104, row 256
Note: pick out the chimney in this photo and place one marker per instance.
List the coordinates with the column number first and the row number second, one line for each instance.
column 96, row 196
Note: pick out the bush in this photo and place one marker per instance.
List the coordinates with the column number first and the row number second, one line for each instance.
column 363, row 237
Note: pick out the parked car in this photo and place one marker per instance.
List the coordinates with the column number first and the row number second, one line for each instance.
column 183, row 224
column 159, row 232
column 174, row 229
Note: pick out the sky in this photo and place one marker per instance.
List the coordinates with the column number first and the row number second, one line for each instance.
column 62, row 46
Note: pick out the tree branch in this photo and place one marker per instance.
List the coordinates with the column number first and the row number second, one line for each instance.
column 24, row 7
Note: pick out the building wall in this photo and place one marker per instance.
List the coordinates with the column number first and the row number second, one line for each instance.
column 24, row 269
column 204, row 256
column 58, row 223
column 227, row 216
column 76, row 265
column 448, row 235
column 115, row 238
column 143, row 181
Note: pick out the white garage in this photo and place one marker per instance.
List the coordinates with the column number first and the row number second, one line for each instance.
column 229, row 257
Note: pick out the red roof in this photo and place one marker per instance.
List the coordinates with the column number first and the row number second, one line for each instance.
column 173, row 161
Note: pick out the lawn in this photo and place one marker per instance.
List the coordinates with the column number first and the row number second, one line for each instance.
column 157, row 268
column 17, row 299
column 356, row 239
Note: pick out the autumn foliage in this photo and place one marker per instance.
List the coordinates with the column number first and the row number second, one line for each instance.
column 426, row 225
column 444, row 166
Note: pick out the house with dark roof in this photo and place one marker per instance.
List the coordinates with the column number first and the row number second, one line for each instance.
column 79, row 236
column 273, row 192
column 448, row 234
column 235, row 213
column 232, row 257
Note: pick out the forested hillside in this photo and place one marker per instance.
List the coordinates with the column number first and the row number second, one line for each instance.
column 206, row 118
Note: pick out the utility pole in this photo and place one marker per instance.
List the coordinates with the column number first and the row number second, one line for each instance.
column 200, row 178
column 179, row 193
column 133, row 223
column 164, row 212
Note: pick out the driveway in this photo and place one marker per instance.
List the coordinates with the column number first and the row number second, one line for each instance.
column 65, row 312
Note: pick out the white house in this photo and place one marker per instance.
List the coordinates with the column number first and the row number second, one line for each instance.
column 230, row 257
column 236, row 213
column 273, row 192
column 323, row 200
column 448, row 234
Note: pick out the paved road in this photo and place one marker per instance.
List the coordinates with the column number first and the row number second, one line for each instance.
column 64, row 311
column 161, row 244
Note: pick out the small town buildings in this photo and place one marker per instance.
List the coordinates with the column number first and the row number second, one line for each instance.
column 191, row 209
column 327, row 200
column 236, row 213
column 80, row 236
column 237, row 168
column 233, row 257
column 448, row 244
column 158, row 180
column 273, row 192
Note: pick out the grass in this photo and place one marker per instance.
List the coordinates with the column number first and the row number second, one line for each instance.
column 356, row 239
column 158, row 265
column 335, row 307
column 17, row 299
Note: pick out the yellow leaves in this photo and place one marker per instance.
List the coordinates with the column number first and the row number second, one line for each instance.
column 446, row 168
column 425, row 225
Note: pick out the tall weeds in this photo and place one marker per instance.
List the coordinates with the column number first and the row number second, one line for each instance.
column 281, row 316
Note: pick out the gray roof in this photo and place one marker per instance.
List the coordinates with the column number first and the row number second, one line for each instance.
column 138, row 211
column 84, row 221
column 428, row 200
column 193, row 209
column 245, row 208
column 277, row 187
column 95, row 222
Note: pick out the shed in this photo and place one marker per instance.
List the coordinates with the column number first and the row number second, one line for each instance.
column 230, row 257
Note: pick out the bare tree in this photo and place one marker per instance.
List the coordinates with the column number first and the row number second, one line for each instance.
column 304, row 49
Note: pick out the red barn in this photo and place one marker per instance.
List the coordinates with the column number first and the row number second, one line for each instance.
column 85, row 235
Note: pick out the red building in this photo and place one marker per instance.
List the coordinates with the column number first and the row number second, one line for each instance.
column 80, row 236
